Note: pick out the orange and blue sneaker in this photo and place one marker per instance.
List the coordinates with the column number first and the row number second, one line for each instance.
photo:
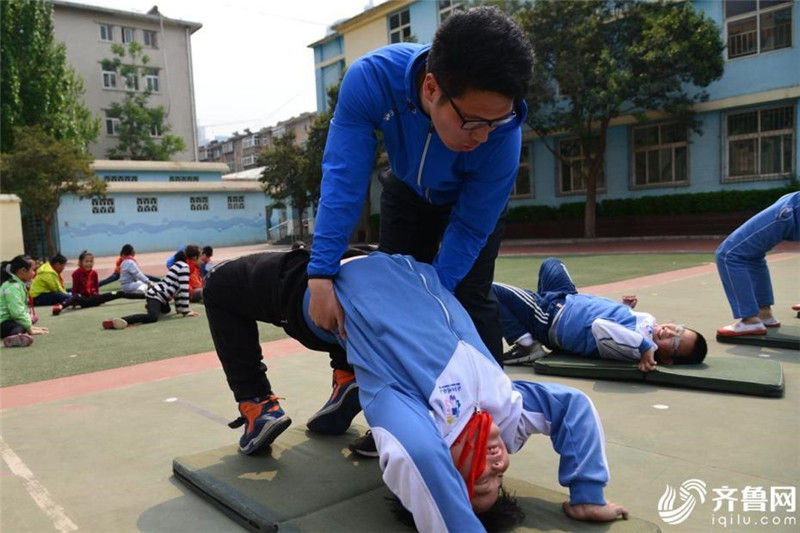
column 341, row 408
column 264, row 420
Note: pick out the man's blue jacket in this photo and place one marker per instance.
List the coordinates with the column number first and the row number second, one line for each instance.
column 379, row 93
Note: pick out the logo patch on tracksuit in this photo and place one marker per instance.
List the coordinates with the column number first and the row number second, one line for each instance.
column 452, row 409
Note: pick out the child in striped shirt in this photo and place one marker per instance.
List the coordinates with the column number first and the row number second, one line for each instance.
column 174, row 286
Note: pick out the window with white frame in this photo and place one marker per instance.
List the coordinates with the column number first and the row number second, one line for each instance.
column 202, row 155
column 198, row 203
column 236, row 202
column 109, row 79
column 248, row 142
column 660, row 155
column 574, row 165
column 150, row 38
column 128, row 35
column 112, row 126
column 148, row 204
column 756, row 26
column 154, row 131
column 227, row 148
column 522, row 187
column 151, row 80
column 101, row 206
column 120, row 178
column 184, row 178
column 106, row 32
column 248, row 160
column 400, row 26
column 448, row 7
column 760, row 143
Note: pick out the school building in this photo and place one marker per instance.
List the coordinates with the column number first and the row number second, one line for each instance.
column 749, row 123
column 161, row 205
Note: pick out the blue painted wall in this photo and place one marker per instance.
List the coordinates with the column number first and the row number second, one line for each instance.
column 173, row 225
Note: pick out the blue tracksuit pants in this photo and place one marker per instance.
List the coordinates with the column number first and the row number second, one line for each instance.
column 741, row 260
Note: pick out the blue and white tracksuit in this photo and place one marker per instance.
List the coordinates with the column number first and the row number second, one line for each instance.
column 379, row 92
column 741, row 260
column 558, row 317
column 422, row 371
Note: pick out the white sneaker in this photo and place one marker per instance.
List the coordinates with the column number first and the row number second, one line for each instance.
column 772, row 322
column 740, row 328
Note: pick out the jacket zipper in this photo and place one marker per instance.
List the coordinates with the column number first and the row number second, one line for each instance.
column 422, row 161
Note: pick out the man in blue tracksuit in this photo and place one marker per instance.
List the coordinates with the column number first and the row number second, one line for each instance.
column 560, row 318
column 423, row 376
column 450, row 115
column 742, row 265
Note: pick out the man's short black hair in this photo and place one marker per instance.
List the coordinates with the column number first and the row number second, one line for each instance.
column 208, row 251
column 502, row 516
column 481, row 49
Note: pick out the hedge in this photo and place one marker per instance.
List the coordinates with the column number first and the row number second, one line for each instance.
column 668, row 204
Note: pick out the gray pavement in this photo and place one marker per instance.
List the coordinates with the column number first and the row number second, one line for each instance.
column 102, row 461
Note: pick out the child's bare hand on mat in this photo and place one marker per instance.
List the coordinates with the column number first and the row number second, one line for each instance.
column 648, row 361
column 191, row 313
column 595, row 513
column 39, row 330
column 630, row 300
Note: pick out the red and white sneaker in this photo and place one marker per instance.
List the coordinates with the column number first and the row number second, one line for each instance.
column 772, row 322
column 115, row 323
column 57, row 309
column 740, row 328
column 796, row 307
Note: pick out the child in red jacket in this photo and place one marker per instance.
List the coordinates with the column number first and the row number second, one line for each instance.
column 85, row 288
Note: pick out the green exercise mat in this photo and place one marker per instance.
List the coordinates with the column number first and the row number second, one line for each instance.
column 757, row 377
column 312, row 483
column 787, row 337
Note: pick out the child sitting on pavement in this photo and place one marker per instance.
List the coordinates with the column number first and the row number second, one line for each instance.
column 16, row 326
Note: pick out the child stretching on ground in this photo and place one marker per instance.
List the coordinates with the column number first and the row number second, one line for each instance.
column 85, row 289
column 16, row 327
column 127, row 252
column 174, row 286
column 133, row 281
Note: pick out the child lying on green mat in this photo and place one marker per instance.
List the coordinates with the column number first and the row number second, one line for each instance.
column 557, row 317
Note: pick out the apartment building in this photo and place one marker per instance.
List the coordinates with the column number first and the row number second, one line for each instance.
column 240, row 151
column 90, row 31
column 749, row 123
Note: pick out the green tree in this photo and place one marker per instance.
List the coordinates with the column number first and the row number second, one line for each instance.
column 285, row 174
column 143, row 130
column 596, row 60
column 38, row 87
column 41, row 168
column 315, row 145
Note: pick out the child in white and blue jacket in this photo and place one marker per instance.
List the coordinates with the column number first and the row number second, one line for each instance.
column 423, row 372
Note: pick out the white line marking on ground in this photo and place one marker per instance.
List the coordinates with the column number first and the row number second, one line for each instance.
column 37, row 491
column 762, row 354
column 660, row 406
column 170, row 400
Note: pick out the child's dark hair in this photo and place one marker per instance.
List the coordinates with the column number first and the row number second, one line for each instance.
column 502, row 516
column 698, row 352
column 190, row 251
column 12, row 267
column 58, row 259
column 208, row 251
column 481, row 49
column 84, row 255
column 127, row 249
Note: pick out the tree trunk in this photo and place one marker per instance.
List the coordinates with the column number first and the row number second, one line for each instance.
column 300, row 231
column 590, row 211
column 48, row 232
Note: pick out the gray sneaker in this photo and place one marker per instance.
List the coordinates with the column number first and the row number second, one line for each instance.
column 521, row 355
